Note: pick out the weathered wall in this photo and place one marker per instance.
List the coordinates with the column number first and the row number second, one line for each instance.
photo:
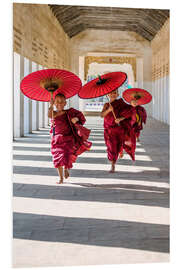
column 115, row 45
column 39, row 37
column 103, row 41
column 38, row 42
column 160, row 73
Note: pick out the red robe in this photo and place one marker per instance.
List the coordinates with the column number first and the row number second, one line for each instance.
column 66, row 144
column 141, row 117
column 122, row 136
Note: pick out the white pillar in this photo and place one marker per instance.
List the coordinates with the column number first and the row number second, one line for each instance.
column 30, row 103
column 40, row 124
column 26, row 100
column 167, row 98
column 37, row 115
column 34, row 102
column 16, row 94
column 158, row 99
column 46, row 114
column 21, row 97
column 162, row 100
column 139, row 72
column 82, row 102
column 74, row 102
column 155, row 99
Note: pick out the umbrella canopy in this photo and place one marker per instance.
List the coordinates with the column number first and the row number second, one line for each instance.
column 102, row 85
column 140, row 95
column 38, row 84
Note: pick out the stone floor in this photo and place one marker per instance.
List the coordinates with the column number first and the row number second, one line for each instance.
column 94, row 218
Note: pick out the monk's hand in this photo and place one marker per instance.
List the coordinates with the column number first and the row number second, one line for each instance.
column 110, row 109
column 74, row 120
column 118, row 120
column 51, row 101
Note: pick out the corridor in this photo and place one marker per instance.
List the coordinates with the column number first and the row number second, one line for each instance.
column 95, row 217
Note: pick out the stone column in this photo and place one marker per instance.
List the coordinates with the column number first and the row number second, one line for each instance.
column 21, row 97
column 30, row 103
column 139, row 72
column 43, row 114
column 40, row 107
column 167, row 97
column 46, row 106
column 34, row 104
column 26, row 99
column 37, row 115
column 46, row 120
column 81, row 76
column 16, row 96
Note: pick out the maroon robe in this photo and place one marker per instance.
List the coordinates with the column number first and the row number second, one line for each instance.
column 120, row 137
column 141, row 118
column 66, row 144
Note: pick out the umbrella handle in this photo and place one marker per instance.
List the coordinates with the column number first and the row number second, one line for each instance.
column 113, row 113
column 112, row 110
column 53, row 123
column 52, row 115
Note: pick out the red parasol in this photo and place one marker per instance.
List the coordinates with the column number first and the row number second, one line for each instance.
column 140, row 95
column 39, row 84
column 102, row 85
column 42, row 85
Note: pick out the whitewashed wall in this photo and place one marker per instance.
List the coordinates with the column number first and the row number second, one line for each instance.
column 28, row 114
column 160, row 104
column 16, row 96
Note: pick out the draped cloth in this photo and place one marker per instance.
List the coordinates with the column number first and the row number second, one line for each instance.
column 120, row 137
column 66, row 144
column 141, row 117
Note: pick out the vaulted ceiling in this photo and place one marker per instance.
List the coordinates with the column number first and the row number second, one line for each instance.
column 75, row 19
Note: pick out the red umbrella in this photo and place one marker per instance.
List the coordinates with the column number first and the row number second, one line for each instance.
column 39, row 84
column 43, row 84
column 102, row 85
column 140, row 95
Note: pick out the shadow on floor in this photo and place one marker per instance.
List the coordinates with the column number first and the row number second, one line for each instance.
column 100, row 193
column 144, row 175
column 96, row 232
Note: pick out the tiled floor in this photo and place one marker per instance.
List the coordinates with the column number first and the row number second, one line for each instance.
column 94, row 217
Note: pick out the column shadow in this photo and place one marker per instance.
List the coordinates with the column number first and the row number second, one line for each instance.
column 90, row 231
column 115, row 193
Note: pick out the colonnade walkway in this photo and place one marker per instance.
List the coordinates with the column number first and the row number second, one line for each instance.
column 95, row 217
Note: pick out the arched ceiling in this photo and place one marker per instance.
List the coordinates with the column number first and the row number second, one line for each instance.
column 75, row 19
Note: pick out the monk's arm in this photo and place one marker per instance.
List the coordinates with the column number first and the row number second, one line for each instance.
column 106, row 109
column 50, row 110
column 77, row 117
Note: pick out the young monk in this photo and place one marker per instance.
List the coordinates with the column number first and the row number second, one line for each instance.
column 66, row 144
column 118, row 133
column 141, row 117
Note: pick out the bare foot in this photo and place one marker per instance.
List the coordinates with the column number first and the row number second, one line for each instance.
column 66, row 173
column 112, row 168
column 60, row 181
column 121, row 155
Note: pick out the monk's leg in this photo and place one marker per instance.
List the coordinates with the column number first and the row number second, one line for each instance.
column 112, row 166
column 60, row 172
column 66, row 173
column 113, row 153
